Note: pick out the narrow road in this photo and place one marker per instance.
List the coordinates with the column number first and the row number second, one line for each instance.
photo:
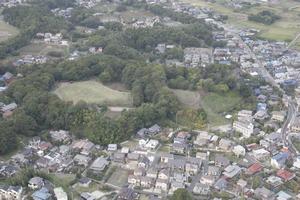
column 293, row 41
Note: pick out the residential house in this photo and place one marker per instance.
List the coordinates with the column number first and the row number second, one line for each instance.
column 139, row 172
column 153, row 130
column 225, row 144
column 191, row 168
column 134, row 180
column 285, row 175
column 232, row 171
column 84, row 146
column 142, row 133
column 202, row 139
column 281, row 195
column 60, row 194
column 213, row 171
column 278, row 115
column 152, row 173
column 60, row 136
column 125, row 150
column 254, row 168
column 112, row 147
column 42, row 194
column 244, row 115
column 297, row 162
column 87, row 196
column 239, row 150
column 176, row 185
column 143, row 162
column 245, row 127
column 221, row 161
column 127, row 194
column 9, row 107
column 179, row 148
column 162, row 184
column 82, row 160
column 152, row 144
column 84, row 182
column 221, row 184
column 278, row 161
column 36, row 183
column 274, row 181
column 201, row 189
column 164, row 174
column 241, row 183
column 208, row 180
column 201, row 155
column 147, row 182
column 261, row 115
column 166, row 157
column 264, row 194
column 119, row 157
column 14, row 192
column 296, row 125
column 99, row 164
column 133, row 156
column 261, row 154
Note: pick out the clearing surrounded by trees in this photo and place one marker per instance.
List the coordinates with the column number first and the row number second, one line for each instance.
column 92, row 92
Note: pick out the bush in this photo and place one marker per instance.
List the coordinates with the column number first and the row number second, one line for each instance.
column 265, row 17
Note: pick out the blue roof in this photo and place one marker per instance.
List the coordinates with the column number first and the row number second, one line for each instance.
column 281, row 157
column 261, row 106
column 42, row 194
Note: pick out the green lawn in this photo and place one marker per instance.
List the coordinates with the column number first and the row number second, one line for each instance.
column 42, row 49
column 284, row 29
column 92, row 92
column 188, row 98
column 119, row 177
column 215, row 104
column 62, row 180
column 7, row 31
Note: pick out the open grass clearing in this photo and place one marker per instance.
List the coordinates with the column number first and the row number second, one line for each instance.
column 7, row 31
column 118, row 178
column 91, row 188
column 188, row 98
column 42, row 49
column 135, row 14
column 63, row 180
column 92, row 92
column 215, row 105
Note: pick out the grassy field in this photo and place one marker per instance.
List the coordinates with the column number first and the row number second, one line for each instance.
column 215, row 105
column 118, row 178
column 134, row 14
column 190, row 99
column 42, row 49
column 7, row 31
column 284, row 29
column 92, row 92
column 62, row 180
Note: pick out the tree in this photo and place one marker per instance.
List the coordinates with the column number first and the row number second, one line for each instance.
column 181, row 194
column 8, row 138
column 24, row 124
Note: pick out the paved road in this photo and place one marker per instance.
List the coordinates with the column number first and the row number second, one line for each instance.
column 293, row 41
column 291, row 116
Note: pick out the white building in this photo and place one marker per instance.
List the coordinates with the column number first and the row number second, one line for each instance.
column 239, row 150
column 244, row 127
column 60, row 194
